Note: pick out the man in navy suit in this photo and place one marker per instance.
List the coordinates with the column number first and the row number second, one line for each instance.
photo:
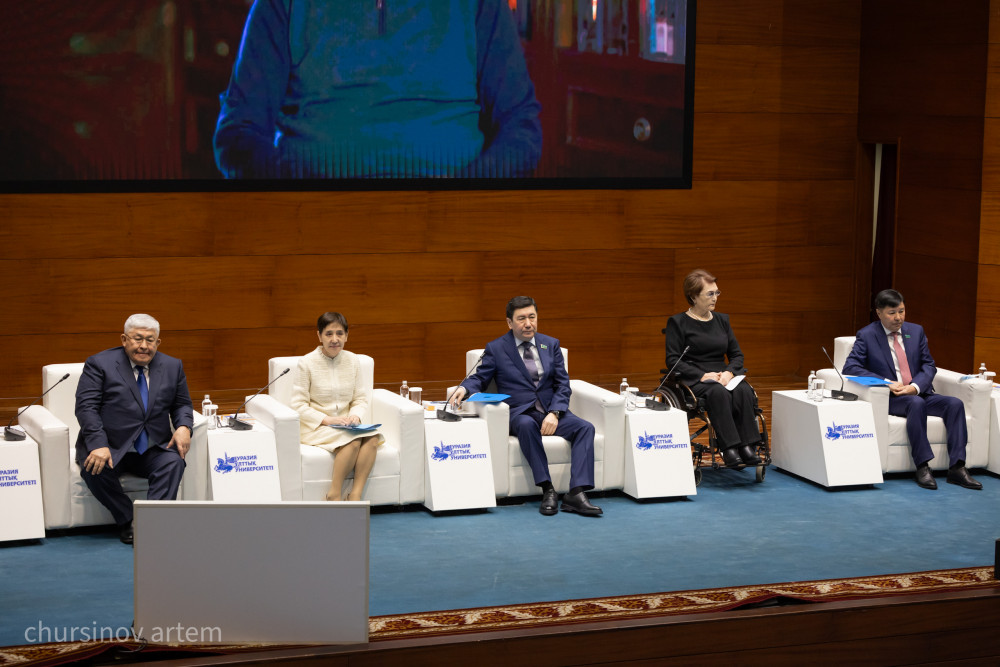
column 529, row 366
column 125, row 402
column 896, row 350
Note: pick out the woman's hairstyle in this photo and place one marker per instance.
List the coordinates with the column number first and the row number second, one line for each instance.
column 326, row 319
column 695, row 282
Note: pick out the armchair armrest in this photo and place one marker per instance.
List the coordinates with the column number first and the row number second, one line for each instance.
column 403, row 424
column 606, row 411
column 975, row 395
column 54, row 456
column 284, row 421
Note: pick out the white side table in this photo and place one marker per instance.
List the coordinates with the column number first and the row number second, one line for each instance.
column 458, row 473
column 243, row 465
column 829, row 442
column 658, row 460
column 20, row 489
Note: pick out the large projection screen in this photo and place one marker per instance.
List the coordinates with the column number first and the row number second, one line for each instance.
column 110, row 95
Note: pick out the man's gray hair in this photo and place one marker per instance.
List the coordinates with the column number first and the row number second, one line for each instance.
column 142, row 321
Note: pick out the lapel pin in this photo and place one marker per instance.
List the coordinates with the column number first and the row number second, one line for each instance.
column 543, row 346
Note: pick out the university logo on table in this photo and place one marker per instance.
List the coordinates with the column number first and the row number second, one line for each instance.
column 245, row 463
column 225, row 464
column 658, row 441
column 845, row 432
column 455, row 452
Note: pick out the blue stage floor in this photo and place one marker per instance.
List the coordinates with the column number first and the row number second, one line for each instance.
column 733, row 532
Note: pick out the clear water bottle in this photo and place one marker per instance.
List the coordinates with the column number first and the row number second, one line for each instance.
column 208, row 411
column 811, row 386
column 982, row 370
column 623, row 387
column 404, row 390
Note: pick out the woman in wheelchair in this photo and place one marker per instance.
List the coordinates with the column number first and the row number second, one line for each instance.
column 712, row 363
column 329, row 393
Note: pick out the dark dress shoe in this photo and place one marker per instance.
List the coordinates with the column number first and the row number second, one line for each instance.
column 749, row 455
column 550, row 503
column 962, row 477
column 925, row 478
column 578, row 503
column 125, row 534
column 731, row 458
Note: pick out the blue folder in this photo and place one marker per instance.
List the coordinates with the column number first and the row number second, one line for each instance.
column 867, row 381
column 481, row 397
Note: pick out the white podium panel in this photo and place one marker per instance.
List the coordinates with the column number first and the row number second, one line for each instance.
column 658, row 460
column 224, row 573
column 243, row 465
column 458, row 474
column 20, row 491
column 993, row 465
column 829, row 442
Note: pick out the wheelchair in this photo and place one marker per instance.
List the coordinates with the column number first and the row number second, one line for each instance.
column 706, row 455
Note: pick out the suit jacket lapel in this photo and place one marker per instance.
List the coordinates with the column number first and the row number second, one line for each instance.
column 155, row 381
column 128, row 377
column 545, row 354
column 912, row 348
column 883, row 344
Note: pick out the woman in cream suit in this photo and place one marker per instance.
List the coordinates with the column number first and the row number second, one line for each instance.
column 329, row 392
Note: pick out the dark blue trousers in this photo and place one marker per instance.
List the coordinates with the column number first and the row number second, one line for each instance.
column 580, row 433
column 916, row 409
column 164, row 469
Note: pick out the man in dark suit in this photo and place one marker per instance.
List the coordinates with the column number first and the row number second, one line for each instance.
column 896, row 350
column 529, row 366
column 125, row 402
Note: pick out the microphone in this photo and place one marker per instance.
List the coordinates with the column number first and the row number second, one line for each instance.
column 839, row 394
column 238, row 425
column 652, row 403
column 11, row 432
column 446, row 416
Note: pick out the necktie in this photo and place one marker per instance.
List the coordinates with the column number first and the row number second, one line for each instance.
column 904, row 367
column 529, row 362
column 142, row 442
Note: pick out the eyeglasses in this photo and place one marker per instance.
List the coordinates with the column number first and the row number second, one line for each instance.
column 709, row 295
column 139, row 340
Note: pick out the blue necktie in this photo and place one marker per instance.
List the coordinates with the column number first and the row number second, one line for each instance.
column 142, row 442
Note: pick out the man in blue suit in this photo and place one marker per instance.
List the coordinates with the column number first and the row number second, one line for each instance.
column 125, row 402
column 896, row 350
column 529, row 366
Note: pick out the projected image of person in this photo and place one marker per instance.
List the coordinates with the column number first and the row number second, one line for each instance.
column 379, row 89
column 329, row 392
column 713, row 361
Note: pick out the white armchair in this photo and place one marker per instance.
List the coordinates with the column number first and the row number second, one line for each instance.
column 305, row 471
column 890, row 430
column 66, row 499
column 602, row 408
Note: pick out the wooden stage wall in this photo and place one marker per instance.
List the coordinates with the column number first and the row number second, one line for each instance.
column 423, row 276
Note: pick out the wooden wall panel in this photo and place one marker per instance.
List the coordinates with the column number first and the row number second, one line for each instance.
column 931, row 101
column 236, row 278
column 787, row 79
column 768, row 146
column 771, row 22
column 741, row 214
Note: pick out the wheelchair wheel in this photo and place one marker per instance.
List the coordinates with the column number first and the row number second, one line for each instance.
column 761, row 471
column 697, row 476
